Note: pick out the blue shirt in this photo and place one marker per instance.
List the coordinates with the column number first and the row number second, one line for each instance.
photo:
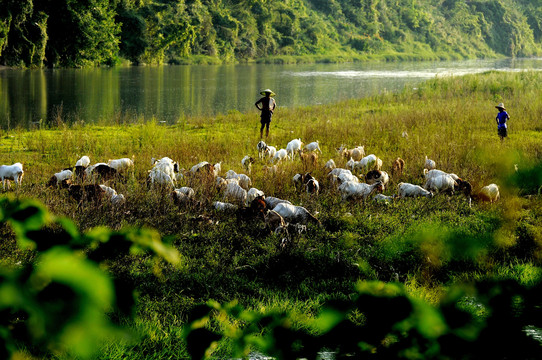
column 502, row 116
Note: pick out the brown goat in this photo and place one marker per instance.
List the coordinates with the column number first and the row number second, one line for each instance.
column 312, row 186
column 397, row 167
column 90, row 192
column 257, row 209
column 206, row 170
column 64, row 184
column 344, row 152
column 203, row 177
column 309, row 160
column 105, row 172
column 273, row 220
column 258, row 206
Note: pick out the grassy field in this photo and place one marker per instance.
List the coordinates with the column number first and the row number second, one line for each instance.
column 425, row 244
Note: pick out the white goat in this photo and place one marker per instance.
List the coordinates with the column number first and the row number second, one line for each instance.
column 367, row 163
column 280, row 155
column 244, row 181
column 440, row 183
column 247, row 163
column 230, row 174
column 84, row 161
column 330, row 165
column 381, row 198
column 377, row 176
column 357, row 153
column 271, row 151
column 434, row 173
column 235, row 193
column 262, row 147
column 351, row 163
column 341, row 175
column 347, row 177
column 294, row 147
column 117, row 200
column 313, row 146
column 121, row 164
column 59, row 177
column 338, row 171
column 411, row 190
column 222, row 182
column 489, row 193
column 295, row 214
column 188, row 191
column 272, row 201
column 165, row 158
column 252, row 194
column 11, row 172
column 158, row 177
column 429, row 164
column 194, row 169
column 354, row 190
column 223, row 206
column 168, row 167
column 217, row 168
column 183, row 195
column 108, row 190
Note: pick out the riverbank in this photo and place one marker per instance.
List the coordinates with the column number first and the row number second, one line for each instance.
column 427, row 245
column 329, row 59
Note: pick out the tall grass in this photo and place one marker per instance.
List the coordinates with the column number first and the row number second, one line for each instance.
column 416, row 242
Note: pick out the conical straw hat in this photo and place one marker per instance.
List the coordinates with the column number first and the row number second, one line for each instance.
column 267, row 91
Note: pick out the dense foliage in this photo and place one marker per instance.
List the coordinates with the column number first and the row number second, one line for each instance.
column 97, row 32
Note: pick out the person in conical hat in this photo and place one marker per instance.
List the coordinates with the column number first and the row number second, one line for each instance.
column 267, row 107
column 502, row 118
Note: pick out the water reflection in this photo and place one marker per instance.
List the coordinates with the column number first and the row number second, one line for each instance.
column 171, row 92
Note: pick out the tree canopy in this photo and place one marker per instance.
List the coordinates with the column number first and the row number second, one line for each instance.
column 70, row 33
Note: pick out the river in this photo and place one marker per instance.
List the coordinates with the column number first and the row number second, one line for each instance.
column 168, row 93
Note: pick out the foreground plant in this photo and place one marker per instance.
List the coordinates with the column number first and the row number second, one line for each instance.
column 62, row 300
column 382, row 321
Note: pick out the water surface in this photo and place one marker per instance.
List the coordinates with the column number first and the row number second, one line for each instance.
column 171, row 92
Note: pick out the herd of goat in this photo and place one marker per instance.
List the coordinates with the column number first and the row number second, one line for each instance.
column 86, row 182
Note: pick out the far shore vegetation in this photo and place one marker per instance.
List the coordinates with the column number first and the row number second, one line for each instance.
column 44, row 33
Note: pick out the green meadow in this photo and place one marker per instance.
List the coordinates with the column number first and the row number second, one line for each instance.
column 427, row 248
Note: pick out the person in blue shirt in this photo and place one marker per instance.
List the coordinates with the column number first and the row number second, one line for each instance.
column 502, row 118
column 267, row 107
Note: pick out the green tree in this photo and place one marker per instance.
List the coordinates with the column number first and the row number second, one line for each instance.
column 509, row 32
column 81, row 33
column 23, row 35
column 168, row 28
column 132, row 36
